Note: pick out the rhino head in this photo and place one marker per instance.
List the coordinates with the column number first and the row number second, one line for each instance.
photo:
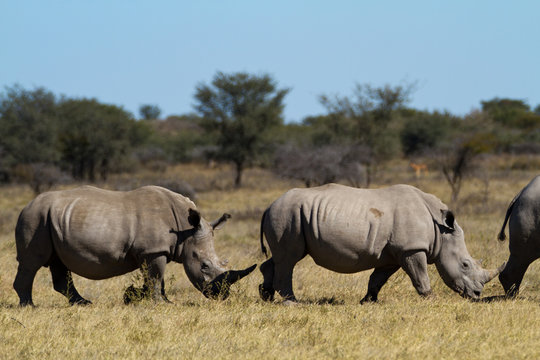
column 457, row 268
column 202, row 265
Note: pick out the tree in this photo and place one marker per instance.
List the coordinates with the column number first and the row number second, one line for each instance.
column 505, row 111
column 333, row 128
column 95, row 138
column 370, row 115
column 456, row 156
column 149, row 112
column 239, row 109
column 178, row 136
column 422, row 132
column 518, row 128
column 28, row 127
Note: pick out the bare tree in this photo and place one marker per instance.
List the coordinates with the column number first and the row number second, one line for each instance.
column 40, row 176
column 457, row 154
column 312, row 165
column 323, row 164
column 370, row 113
column 455, row 163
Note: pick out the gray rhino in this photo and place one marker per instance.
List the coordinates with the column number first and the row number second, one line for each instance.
column 99, row 234
column 348, row 230
column 523, row 218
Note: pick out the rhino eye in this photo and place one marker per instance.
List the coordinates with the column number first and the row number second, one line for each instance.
column 204, row 266
column 465, row 264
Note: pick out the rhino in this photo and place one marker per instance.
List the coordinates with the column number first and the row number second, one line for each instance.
column 348, row 230
column 523, row 218
column 99, row 234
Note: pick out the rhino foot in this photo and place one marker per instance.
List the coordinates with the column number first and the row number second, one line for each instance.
column 24, row 303
column 290, row 302
column 368, row 299
column 266, row 294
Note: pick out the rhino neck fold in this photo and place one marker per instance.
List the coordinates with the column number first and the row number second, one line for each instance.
column 177, row 251
column 435, row 247
column 177, row 246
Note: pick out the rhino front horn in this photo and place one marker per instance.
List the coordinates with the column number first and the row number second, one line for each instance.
column 233, row 276
column 219, row 287
column 490, row 274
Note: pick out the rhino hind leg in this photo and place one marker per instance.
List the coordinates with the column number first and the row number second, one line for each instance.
column 63, row 283
column 266, row 289
column 34, row 250
column 512, row 275
column 378, row 278
column 283, row 274
column 23, row 283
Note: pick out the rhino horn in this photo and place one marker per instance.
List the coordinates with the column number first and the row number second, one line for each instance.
column 219, row 287
column 490, row 274
column 233, row 276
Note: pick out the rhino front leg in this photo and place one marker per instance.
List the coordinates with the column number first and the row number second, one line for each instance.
column 415, row 265
column 63, row 283
column 266, row 289
column 154, row 277
column 378, row 278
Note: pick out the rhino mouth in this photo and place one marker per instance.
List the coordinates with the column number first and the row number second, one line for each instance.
column 468, row 293
column 219, row 288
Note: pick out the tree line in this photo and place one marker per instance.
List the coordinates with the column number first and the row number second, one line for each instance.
column 238, row 118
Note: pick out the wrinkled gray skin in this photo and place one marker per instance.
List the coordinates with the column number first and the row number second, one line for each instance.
column 348, row 230
column 523, row 217
column 99, row 234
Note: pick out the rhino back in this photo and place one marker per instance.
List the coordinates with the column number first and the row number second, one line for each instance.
column 349, row 230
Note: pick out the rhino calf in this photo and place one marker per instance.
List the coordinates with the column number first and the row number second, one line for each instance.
column 99, row 234
column 523, row 218
column 348, row 230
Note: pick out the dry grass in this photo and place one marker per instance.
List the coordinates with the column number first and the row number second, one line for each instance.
column 329, row 322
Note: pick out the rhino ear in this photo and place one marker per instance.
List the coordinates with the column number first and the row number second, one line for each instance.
column 194, row 218
column 448, row 218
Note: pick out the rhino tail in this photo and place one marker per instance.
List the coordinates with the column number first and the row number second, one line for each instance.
column 263, row 248
column 502, row 235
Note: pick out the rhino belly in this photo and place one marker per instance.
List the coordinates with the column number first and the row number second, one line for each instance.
column 346, row 255
column 346, row 263
column 94, row 259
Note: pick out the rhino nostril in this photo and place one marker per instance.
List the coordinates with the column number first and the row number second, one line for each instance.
column 477, row 293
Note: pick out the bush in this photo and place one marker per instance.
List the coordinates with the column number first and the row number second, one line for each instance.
column 40, row 176
column 323, row 164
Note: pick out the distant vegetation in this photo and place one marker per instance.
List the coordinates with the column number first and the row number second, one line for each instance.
column 46, row 138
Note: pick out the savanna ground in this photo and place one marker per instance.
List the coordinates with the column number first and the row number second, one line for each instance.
column 329, row 322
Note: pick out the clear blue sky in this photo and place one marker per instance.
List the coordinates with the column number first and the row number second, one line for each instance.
column 130, row 53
